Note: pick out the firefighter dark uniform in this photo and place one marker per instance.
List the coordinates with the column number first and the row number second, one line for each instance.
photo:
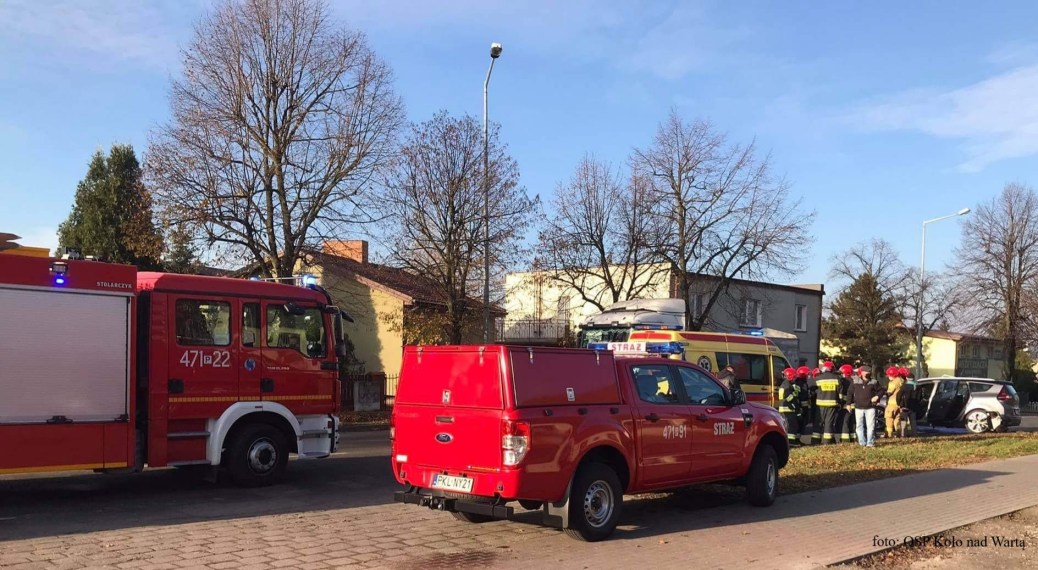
column 816, row 419
column 845, row 414
column 789, row 405
column 804, row 415
column 827, row 400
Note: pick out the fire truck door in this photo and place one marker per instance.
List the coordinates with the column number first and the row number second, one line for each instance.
column 296, row 346
column 203, row 361
column 251, row 367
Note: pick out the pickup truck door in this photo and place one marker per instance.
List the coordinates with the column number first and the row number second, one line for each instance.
column 662, row 424
column 719, row 429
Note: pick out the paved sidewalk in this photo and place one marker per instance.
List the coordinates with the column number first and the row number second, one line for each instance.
column 800, row 531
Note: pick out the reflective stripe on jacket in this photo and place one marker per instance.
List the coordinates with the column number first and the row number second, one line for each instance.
column 789, row 397
column 828, row 390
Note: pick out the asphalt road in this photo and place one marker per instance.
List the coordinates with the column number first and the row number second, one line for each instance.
column 62, row 503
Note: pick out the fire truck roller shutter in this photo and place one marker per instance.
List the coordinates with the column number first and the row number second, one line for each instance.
column 65, row 354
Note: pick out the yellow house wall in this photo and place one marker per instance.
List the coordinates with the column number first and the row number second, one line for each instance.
column 377, row 340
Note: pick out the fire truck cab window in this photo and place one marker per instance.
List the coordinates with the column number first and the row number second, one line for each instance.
column 250, row 324
column 303, row 333
column 203, row 323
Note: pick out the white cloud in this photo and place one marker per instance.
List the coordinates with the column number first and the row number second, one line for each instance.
column 39, row 236
column 995, row 119
column 80, row 31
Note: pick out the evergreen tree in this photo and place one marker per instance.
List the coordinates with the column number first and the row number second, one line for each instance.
column 180, row 255
column 863, row 324
column 111, row 217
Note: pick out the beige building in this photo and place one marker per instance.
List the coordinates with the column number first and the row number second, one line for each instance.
column 543, row 310
column 960, row 354
column 390, row 307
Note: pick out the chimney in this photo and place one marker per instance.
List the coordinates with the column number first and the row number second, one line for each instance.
column 356, row 249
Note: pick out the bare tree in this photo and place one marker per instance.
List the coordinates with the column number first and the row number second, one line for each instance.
column 876, row 257
column 594, row 240
column 435, row 195
column 998, row 258
column 280, row 124
column 718, row 210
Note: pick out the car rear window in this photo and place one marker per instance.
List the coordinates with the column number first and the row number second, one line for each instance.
column 977, row 387
column 1012, row 390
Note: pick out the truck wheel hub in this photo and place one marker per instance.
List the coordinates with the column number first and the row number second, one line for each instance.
column 598, row 503
column 263, row 456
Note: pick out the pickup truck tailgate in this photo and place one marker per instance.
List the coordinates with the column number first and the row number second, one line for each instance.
column 448, row 410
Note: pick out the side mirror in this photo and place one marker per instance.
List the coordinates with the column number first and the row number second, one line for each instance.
column 315, row 349
column 738, row 397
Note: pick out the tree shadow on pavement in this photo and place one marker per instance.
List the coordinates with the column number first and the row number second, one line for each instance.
column 52, row 505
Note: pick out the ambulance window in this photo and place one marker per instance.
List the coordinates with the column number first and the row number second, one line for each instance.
column 701, row 389
column 778, row 364
column 303, row 333
column 749, row 368
column 203, row 323
column 654, row 384
column 250, row 324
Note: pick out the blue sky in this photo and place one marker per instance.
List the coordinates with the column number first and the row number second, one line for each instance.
column 880, row 114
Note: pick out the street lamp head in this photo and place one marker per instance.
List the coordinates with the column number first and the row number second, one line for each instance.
column 964, row 211
column 495, row 50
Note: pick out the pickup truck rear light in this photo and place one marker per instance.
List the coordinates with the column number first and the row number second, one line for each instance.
column 515, row 442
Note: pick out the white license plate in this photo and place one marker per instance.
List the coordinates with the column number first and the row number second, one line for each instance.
column 452, row 483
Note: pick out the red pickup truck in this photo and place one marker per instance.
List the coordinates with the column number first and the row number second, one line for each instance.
column 570, row 431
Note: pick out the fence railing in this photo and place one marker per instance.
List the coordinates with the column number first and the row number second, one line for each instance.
column 370, row 392
column 544, row 330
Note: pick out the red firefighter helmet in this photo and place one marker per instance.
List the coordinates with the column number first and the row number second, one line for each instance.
column 846, row 369
column 815, row 372
column 828, row 366
column 903, row 372
column 892, row 372
column 803, row 371
column 789, row 373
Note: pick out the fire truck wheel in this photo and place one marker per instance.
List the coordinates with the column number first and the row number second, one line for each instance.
column 256, row 456
column 762, row 479
column 594, row 503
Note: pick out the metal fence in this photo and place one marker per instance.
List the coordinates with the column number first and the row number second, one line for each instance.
column 370, row 392
column 533, row 330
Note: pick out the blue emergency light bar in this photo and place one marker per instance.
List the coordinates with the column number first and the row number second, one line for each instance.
column 660, row 348
column 749, row 332
column 657, row 327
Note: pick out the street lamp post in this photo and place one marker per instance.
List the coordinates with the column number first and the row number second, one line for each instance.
column 922, row 280
column 495, row 52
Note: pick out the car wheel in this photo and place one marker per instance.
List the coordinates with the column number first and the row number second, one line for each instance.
column 762, row 479
column 472, row 517
column 977, row 421
column 594, row 503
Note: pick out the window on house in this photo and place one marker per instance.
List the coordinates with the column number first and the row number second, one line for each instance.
column 976, row 351
column 998, row 354
column 751, row 313
column 800, row 323
column 563, row 311
column 698, row 303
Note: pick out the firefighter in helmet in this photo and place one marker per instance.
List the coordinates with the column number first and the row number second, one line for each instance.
column 816, row 417
column 827, row 400
column 892, row 413
column 845, row 415
column 804, row 382
column 789, row 405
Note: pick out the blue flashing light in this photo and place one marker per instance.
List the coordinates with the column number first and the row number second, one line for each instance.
column 657, row 327
column 254, row 278
column 310, row 280
column 59, row 280
column 664, row 348
column 749, row 332
column 598, row 345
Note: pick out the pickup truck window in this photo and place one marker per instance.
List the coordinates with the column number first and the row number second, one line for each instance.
column 702, row 389
column 654, row 384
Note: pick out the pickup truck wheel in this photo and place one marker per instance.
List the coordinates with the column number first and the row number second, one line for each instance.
column 594, row 503
column 762, row 478
column 257, row 456
column 472, row 517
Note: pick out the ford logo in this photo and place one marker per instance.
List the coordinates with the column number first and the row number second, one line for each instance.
column 444, row 437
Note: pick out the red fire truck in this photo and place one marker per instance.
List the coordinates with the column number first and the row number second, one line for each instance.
column 104, row 368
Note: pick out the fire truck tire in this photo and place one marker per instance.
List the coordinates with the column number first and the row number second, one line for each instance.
column 762, row 478
column 256, row 456
column 472, row 517
column 594, row 503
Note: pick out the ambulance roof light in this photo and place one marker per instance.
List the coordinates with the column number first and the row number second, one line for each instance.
column 309, row 280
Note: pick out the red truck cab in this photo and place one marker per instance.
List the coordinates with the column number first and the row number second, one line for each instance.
column 570, row 431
